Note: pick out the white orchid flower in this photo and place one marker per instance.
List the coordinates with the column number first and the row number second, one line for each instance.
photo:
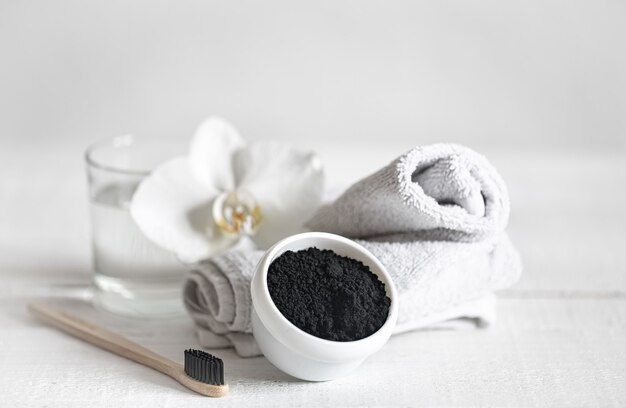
column 226, row 190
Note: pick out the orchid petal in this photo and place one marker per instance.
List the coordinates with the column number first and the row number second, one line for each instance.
column 286, row 183
column 212, row 148
column 173, row 209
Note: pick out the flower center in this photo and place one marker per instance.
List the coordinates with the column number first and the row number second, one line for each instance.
column 237, row 213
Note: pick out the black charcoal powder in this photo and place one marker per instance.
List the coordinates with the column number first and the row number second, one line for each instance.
column 327, row 295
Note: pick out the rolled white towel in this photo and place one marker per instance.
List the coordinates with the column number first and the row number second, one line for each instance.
column 441, row 191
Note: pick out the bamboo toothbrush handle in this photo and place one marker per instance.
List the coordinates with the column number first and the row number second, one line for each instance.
column 105, row 339
column 121, row 346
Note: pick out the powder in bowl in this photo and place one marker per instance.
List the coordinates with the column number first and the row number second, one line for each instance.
column 327, row 295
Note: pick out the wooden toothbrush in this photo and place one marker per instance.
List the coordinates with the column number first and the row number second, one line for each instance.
column 202, row 372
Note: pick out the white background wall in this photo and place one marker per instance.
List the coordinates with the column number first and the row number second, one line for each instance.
column 521, row 74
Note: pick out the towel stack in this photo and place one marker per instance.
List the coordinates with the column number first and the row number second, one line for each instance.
column 435, row 217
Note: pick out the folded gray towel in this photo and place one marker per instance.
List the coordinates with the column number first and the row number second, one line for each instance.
column 435, row 218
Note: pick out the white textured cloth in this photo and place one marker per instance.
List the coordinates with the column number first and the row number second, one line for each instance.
column 435, row 217
column 441, row 191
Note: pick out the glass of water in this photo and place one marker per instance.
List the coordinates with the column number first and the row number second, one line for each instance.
column 132, row 276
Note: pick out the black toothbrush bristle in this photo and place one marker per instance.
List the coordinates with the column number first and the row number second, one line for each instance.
column 204, row 367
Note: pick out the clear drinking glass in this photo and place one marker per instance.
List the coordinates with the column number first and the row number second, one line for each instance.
column 132, row 276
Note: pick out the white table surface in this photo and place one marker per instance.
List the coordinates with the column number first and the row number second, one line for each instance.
column 560, row 339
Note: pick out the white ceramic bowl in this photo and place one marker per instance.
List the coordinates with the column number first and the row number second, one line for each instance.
column 301, row 354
